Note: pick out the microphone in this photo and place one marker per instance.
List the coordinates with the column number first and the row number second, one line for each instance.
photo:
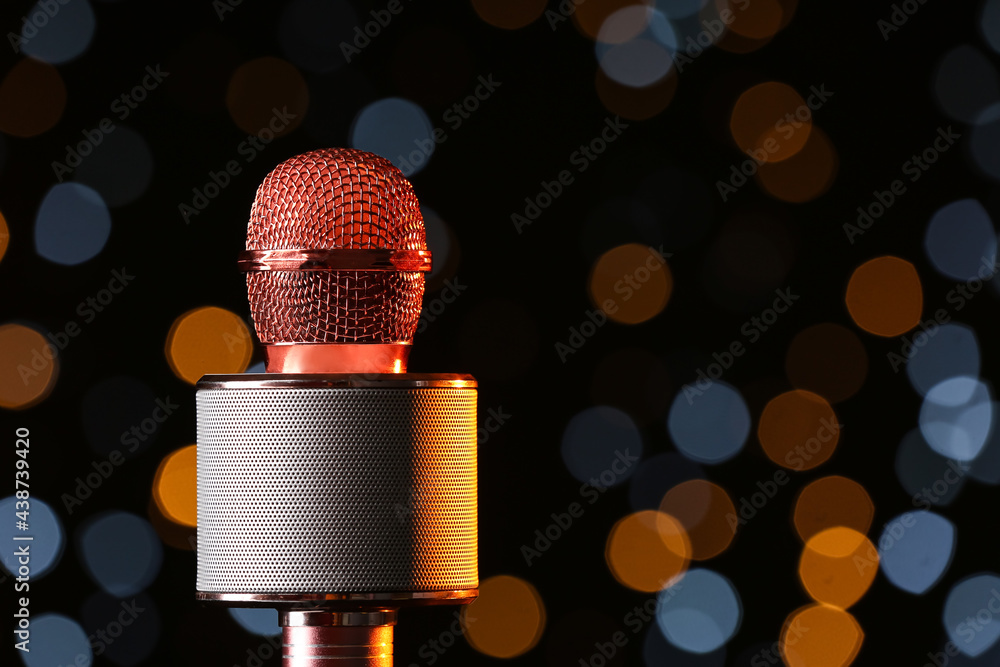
column 336, row 487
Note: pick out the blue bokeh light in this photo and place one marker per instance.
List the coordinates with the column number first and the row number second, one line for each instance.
column 72, row 224
column 710, row 425
column 396, row 129
column 601, row 444
column 915, row 550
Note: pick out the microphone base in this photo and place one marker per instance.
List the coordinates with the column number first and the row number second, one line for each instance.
column 350, row 639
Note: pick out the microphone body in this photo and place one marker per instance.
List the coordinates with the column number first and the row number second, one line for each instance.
column 336, row 487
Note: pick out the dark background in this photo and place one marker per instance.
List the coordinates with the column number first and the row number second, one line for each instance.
column 524, row 290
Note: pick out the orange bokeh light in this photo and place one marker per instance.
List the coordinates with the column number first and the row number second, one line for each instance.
column 830, row 502
column 4, row 236
column 885, row 297
column 208, row 340
column 631, row 283
column 636, row 103
column 506, row 620
column 798, row 430
column 32, row 98
column 260, row 87
column 771, row 120
column 175, row 487
column 827, row 359
column 755, row 19
column 707, row 514
column 589, row 16
column 804, row 176
column 509, row 14
column 838, row 566
column 648, row 549
column 819, row 635
column 29, row 366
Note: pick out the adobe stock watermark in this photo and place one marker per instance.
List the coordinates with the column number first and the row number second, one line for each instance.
column 957, row 298
column 591, row 491
column 432, row 650
column 913, row 169
column 364, row 34
column 635, row 620
column 455, row 116
column 898, row 17
column 131, row 439
column 751, row 330
column 121, row 107
column 433, row 308
column 786, row 127
column 87, row 309
column 248, row 149
column 580, row 159
column 45, row 11
column 626, row 286
column 224, row 7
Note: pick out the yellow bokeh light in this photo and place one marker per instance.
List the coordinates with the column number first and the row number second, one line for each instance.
column 175, row 487
column 830, row 502
column 819, row 635
column 647, row 550
column 631, row 283
column 506, row 620
column 798, row 430
column 208, row 340
column 838, row 566
column 885, row 297
column 707, row 514
column 28, row 367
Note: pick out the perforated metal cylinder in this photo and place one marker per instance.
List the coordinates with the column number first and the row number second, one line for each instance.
column 336, row 484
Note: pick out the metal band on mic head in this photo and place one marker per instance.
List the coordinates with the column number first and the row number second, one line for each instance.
column 335, row 259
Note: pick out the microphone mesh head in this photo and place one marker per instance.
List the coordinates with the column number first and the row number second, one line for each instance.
column 337, row 198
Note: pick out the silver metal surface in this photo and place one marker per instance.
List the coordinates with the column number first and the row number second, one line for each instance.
column 342, row 600
column 336, row 489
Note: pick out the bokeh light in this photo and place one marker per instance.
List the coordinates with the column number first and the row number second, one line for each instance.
column 72, row 224
column 711, row 424
column 4, row 236
column 755, row 20
column 44, row 527
column 701, row 612
column 966, row 83
column 29, row 366
column 647, row 550
column 707, row 514
column 833, row 638
column 805, row 175
column 657, row 475
column 634, row 103
column 928, row 477
column 631, row 283
column 986, row 467
column 398, row 130
column 884, row 296
column 321, row 36
column 32, row 98
column 257, row 621
column 956, row 417
column 771, row 119
column 131, row 626
column 60, row 36
column 915, row 550
column 121, row 552
column 175, row 486
column 601, row 445
column 509, row 617
column 443, row 244
column 838, row 566
column 798, row 429
column 588, row 17
column 509, row 14
column 267, row 97
column 984, row 142
column 827, row 359
column 57, row 640
column 208, row 340
column 968, row 612
column 961, row 241
column 941, row 353
column 831, row 502
column 120, row 169
column 633, row 53
column 989, row 23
